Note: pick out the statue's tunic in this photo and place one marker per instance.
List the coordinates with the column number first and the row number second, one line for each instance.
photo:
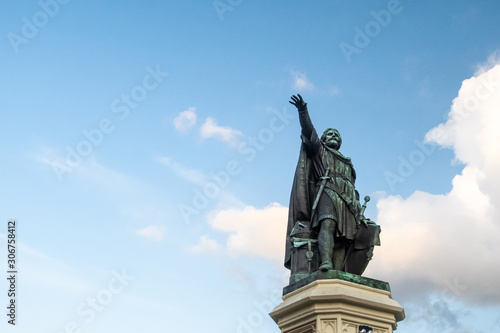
column 338, row 199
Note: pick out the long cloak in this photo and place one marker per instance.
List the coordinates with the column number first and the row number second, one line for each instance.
column 300, row 197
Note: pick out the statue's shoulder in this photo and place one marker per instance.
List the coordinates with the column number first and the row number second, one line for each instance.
column 337, row 154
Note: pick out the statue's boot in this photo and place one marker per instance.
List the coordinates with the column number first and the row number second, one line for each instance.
column 326, row 266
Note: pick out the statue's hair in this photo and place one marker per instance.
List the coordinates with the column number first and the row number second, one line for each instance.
column 328, row 129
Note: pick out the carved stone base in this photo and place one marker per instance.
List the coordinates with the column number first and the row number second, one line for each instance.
column 337, row 306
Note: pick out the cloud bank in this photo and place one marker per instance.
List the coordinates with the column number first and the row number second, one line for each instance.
column 252, row 231
column 430, row 240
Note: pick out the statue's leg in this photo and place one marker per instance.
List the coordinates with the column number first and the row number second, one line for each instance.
column 326, row 243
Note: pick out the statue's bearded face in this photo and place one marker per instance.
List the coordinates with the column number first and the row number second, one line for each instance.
column 331, row 137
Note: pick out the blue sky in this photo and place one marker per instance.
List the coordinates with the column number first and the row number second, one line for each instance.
column 148, row 151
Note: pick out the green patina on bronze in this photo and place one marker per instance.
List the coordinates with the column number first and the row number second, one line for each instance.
column 338, row 275
column 327, row 230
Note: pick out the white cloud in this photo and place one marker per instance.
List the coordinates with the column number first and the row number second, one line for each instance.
column 334, row 91
column 206, row 245
column 185, row 120
column 300, row 82
column 491, row 62
column 152, row 232
column 192, row 175
column 252, row 231
column 430, row 240
column 226, row 134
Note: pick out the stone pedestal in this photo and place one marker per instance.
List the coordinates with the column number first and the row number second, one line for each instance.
column 337, row 306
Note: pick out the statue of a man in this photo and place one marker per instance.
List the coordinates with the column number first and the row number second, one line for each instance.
column 323, row 193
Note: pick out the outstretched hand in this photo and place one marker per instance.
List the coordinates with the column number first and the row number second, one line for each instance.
column 298, row 102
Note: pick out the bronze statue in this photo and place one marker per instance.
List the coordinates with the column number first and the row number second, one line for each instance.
column 325, row 213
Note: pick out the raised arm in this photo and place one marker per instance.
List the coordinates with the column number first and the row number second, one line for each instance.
column 305, row 120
